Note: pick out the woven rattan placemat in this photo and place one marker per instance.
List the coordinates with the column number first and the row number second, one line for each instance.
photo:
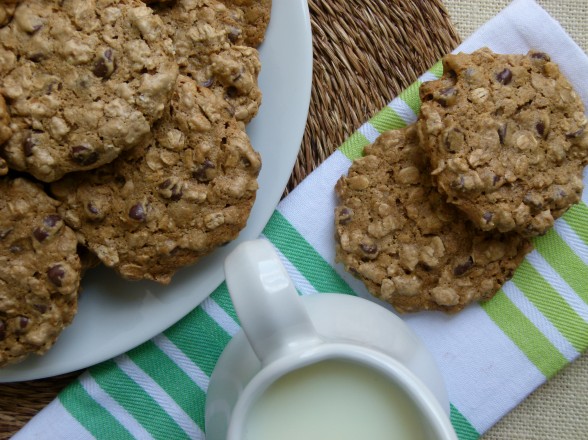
column 365, row 53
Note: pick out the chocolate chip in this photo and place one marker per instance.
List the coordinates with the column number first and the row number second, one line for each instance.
column 15, row 248
column 369, row 248
column 56, row 274
column 234, row 34
column 83, row 155
column 502, row 133
column 4, row 233
column 92, row 209
column 576, row 133
column 345, row 215
column 459, row 182
column 171, row 189
column 41, row 308
column 36, row 57
column 105, row 66
column 2, row 330
column 540, row 127
column 137, row 212
column 23, row 322
column 51, row 220
column 540, row 56
column 232, row 92
column 40, row 234
column 93, row 212
column 201, row 174
column 207, row 83
column 28, row 144
column 495, row 181
column 460, row 269
column 533, row 201
column 447, row 96
column 504, row 77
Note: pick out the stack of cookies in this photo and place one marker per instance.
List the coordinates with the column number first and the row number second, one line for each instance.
column 440, row 214
column 122, row 141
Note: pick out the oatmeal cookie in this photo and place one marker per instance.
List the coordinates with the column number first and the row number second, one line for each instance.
column 206, row 52
column 167, row 204
column 39, row 271
column 507, row 139
column 397, row 234
column 83, row 80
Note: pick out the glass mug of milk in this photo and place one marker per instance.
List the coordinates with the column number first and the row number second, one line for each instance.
column 325, row 366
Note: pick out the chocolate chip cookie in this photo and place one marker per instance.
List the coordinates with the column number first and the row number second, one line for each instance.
column 410, row 247
column 39, row 271
column 507, row 139
column 206, row 51
column 165, row 205
column 83, row 81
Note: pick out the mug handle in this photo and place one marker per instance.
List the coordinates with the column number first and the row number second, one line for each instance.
column 266, row 301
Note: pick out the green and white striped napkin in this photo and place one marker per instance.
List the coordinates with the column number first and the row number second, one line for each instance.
column 492, row 355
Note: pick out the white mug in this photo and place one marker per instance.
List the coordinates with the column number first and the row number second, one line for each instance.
column 327, row 366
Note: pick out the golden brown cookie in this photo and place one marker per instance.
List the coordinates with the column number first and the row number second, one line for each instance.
column 167, row 204
column 39, row 271
column 397, row 234
column 83, row 81
column 507, row 139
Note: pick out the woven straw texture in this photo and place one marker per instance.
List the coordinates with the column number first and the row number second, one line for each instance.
column 558, row 409
column 387, row 44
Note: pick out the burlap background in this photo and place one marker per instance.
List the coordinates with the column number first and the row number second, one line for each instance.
column 559, row 409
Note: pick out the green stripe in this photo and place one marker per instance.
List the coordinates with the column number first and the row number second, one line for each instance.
column 411, row 96
column 576, row 218
column 463, row 428
column 136, row 401
column 552, row 305
column 307, row 260
column 387, row 119
column 91, row 415
column 437, row 69
column 354, row 145
column 172, row 379
column 540, row 351
column 222, row 298
column 205, row 341
column 565, row 261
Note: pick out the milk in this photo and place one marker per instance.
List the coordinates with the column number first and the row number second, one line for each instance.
column 334, row 400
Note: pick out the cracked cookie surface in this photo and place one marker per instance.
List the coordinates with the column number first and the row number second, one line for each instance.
column 39, row 271
column 167, row 204
column 507, row 137
column 83, row 81
column 397, row 234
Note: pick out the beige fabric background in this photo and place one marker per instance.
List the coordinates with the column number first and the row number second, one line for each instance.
column 559, row 409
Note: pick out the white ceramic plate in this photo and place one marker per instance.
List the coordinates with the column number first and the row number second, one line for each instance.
column 116, row 315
